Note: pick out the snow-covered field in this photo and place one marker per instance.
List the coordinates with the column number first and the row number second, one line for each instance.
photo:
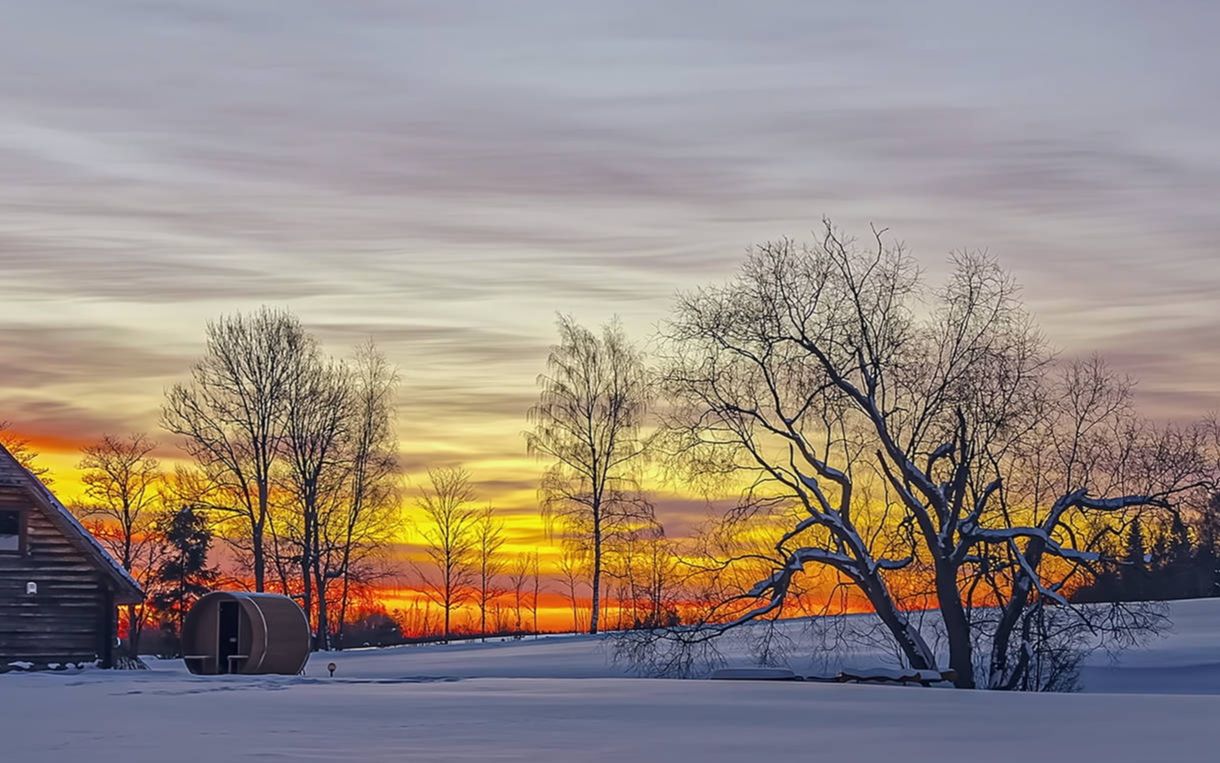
column 561, row 699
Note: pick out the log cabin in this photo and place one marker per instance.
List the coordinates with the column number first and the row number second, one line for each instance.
column 59, row 588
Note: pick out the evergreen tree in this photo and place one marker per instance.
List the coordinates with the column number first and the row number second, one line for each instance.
column 184, row 575
column 1207, row 559
column 1181, row 562
column 1177, row 577
column 1135, row 560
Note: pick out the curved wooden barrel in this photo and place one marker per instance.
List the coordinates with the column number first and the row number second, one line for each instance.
column 272, row 635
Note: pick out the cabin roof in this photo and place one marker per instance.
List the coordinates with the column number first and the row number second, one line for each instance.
column 126, row 589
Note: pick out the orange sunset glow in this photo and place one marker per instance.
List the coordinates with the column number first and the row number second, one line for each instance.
column 511, row 486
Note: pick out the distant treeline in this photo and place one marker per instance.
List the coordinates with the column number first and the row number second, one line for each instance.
column 1178, row 560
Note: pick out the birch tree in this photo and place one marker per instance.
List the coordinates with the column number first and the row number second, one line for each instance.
column 592, row 404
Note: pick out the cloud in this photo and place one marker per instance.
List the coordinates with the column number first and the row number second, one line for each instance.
column 444, row 179
column 41, row 355
column 72, row 383
column 1156, row 357
column 58, row 425
column 480, row 346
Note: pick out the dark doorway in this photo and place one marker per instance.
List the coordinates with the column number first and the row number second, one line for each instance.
column 230, row 627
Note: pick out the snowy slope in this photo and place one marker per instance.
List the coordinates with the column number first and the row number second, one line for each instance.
column 1185, row 660
column 561, row 700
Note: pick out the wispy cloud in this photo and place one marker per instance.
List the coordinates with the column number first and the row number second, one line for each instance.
column 443, row 178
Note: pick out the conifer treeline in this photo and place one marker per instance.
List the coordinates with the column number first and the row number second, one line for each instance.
column 1174, row 560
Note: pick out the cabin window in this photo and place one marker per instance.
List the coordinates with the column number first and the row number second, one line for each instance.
column 10, row 531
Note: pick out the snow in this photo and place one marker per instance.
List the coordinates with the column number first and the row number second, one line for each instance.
column 562, row 699
column 1187, row 661
column 894, row 674
column 754, row 674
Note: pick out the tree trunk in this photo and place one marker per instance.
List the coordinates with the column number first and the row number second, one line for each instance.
column 341, row 629
column 323, row 638
column 998, row 675
column 908, row 639
column 307, row 581
column 347, row 577
column 957, row 626
column 597, row 571
column 257, row 558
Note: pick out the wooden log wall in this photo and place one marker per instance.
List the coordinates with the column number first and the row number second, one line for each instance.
column 69, row 619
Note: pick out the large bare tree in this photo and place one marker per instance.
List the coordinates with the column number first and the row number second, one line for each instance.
column 587, row 422
column 910, row 434
column 231, row 417
column 448, row 525
column 123, row 499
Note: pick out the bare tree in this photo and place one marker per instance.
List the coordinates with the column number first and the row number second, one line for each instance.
column 518, row 580
column 646, row 565
column 489, row 539
column 366, row 524
column 319, row 400
column 448, row 526
column 908, row 443
column 536, row 577
column 23, row 451
column 573, row 563
column 123, row 485
column 593, row 401
column 232, row 416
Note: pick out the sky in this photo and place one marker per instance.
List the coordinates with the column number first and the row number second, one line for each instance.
column 445, row 177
